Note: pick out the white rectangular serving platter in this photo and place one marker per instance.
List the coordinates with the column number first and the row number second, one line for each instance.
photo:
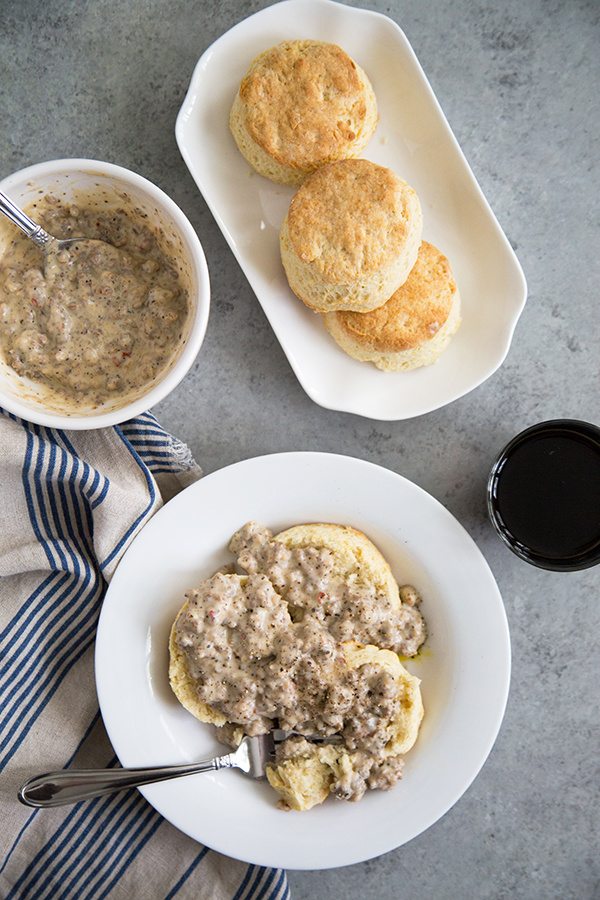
column 414, row 139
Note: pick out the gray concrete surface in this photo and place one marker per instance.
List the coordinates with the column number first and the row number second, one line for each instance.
column 520, row 84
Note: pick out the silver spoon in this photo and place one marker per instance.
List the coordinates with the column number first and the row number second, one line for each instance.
column 34, row 231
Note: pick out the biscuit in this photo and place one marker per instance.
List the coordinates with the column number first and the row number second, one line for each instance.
column 350, row 237
column 357, row 559
column 305, row 780
column 182, row 683
column 413, row 327
column 302, row 104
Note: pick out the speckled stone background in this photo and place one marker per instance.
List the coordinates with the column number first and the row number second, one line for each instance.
column 520, row 85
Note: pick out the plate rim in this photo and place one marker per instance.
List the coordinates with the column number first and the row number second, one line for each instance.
column 265, row 860
column 184, row 115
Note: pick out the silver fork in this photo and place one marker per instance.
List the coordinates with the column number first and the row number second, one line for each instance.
column 69, row 786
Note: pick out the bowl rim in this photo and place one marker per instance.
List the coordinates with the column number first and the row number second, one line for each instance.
column 200, row 312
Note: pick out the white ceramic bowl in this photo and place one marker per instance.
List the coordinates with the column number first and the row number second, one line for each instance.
column 464, row 666
column 64, row 177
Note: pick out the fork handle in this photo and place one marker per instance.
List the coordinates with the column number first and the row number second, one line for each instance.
column 66, row 786
column 23, row 221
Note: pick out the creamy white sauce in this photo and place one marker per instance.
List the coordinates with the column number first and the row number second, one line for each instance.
column 95, row 321
column 266, row 651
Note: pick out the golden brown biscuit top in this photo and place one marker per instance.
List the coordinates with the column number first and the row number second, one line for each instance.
column 414, row 314
column 304, row 102
column 351, row 218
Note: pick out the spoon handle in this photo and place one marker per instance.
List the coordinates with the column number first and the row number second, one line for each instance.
column 22, row 220
column 70, row 786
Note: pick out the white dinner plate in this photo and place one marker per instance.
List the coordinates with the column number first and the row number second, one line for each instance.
column 414, row 139
column 464, row 667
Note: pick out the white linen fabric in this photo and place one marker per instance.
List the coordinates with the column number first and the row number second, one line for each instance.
column 71, row 502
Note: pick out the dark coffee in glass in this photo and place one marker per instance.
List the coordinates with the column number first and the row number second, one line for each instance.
column 544, row 495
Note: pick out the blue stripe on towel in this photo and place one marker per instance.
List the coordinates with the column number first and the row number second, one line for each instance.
column 25, row 477
column 59, row 580
column 53, row 576
column 81, row 534
column 30, row 819
column 247, row 877
column 118, row 811
column 157, row 465
column 102, row 495
column 254, row 886
column 145, row 420
column 142, row 515
column 148, row 440
column 52, row 642
column 88, row 636
column 278, row 885
column 267, row 885
column 72, row 821
column 152, row 819
column 95, row 482
column 191, row 868
column 51, row 485
column 159, row 450
column 43, row 625
column 133, row 433
column 117, row 833
column 39, row 492
column 39, row 661
column 155, row 454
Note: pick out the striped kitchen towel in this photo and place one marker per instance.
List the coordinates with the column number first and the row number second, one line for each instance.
column 70, row 504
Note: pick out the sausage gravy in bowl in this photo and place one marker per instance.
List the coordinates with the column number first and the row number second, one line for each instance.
column 97, row 320
column 95, row 333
